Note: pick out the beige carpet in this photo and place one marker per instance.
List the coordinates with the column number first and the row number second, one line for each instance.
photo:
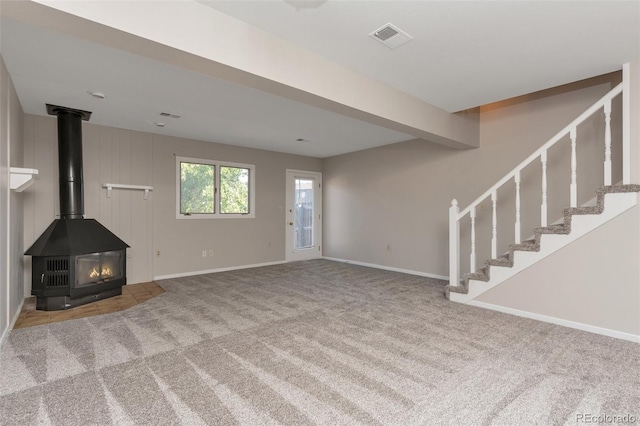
column 315, row 342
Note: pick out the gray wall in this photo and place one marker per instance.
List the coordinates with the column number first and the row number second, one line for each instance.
column 137, row 158
column 389, row 205
column 11, row 208
column 234, row 242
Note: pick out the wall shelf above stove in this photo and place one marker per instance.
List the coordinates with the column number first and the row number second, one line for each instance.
column 111, row 186
column 21, row 178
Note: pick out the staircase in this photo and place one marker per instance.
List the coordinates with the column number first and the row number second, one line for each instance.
column 547, row 240
column 611, row 201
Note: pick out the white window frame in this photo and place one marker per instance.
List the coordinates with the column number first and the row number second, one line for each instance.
column 216, row 196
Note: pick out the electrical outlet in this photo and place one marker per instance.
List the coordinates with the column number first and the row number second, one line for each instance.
column 210, row 252
column 388, row 247
column 157, row 253
column 204, row 253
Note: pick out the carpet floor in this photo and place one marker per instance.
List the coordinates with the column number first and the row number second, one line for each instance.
column 316, row 342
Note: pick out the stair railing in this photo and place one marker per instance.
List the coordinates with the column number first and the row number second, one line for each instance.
column 455, row 215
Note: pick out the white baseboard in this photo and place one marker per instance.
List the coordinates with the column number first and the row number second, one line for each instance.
column 213, row 271
column 388, row 268
column 6, row 332
column 558, row 321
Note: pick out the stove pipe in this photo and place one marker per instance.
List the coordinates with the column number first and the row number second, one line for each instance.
column 70, row 160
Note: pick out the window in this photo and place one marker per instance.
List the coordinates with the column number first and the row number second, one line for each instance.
column 234, row 190
column 197, row 188
column 214, row 189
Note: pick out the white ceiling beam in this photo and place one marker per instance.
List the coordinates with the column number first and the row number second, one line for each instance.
column 192, row 36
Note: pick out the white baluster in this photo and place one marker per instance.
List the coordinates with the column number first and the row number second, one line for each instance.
column 494, row 238
column 472, row 256
column 517, row 230
column 626, row 122
column 574, row 171
column 543, row 207
column 607, row 143
column 454, row 242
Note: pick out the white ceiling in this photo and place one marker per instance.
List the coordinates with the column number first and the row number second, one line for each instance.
column 464, row 54
column 48, row 67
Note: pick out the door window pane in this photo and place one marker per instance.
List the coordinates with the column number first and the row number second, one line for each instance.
column 303, row 213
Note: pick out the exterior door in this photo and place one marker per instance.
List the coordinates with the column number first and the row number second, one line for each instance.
column 303, row 215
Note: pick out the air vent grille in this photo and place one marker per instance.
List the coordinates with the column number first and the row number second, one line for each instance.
column 391, row 36
column 385, row 33
column 168, row 114
column 58, row 265
column 57, row 273
column 58, row 279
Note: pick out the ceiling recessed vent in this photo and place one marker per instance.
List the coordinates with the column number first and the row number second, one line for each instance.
column 167, row 114
column 385, row 33
column 391, row 36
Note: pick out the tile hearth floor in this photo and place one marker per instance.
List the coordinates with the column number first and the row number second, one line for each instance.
column 132, row 294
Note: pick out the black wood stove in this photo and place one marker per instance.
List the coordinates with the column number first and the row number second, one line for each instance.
column 76, row 260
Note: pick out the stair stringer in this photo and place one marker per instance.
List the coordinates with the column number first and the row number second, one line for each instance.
column 578, row 222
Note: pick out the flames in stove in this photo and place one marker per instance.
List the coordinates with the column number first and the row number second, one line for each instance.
column 98, row 268
column 105, row 273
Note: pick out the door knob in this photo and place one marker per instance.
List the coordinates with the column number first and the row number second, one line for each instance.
column 291, row 223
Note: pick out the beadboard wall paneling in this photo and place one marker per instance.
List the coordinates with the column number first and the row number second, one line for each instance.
column 120, row 156
column 11, row 204
column 110, row 156
column 4, row 201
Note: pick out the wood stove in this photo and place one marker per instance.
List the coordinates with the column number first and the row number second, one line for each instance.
column 63, row 282
column 75, row 260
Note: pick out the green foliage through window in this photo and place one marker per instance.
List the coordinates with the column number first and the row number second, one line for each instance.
column 234, row 190
column 210, row 189
column 197, row 193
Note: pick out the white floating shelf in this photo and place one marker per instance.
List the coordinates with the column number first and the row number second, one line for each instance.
column 21, row 178
column 111, row 186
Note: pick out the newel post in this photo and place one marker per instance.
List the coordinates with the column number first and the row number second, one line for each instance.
column 454, row 244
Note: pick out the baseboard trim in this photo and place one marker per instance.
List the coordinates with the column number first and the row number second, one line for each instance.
column 387, row 268
column 558, row 321
column 5, row 333
column 213, row 271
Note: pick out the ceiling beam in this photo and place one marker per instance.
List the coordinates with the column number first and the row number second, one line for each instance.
column 193, row 36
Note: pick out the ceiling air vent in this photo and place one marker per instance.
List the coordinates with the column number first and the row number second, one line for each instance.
column 167, row 114
column 391, row 36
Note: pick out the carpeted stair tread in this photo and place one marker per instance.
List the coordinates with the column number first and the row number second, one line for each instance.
column 528, row 245
column 584, row 210
column 533, row 244
column 552, row 229
column 455, row 289
column 620, row 188
column 479, row 276
column 504, row 260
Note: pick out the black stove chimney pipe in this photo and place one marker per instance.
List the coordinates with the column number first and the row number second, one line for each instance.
column 70, row 160
column 70, row 165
